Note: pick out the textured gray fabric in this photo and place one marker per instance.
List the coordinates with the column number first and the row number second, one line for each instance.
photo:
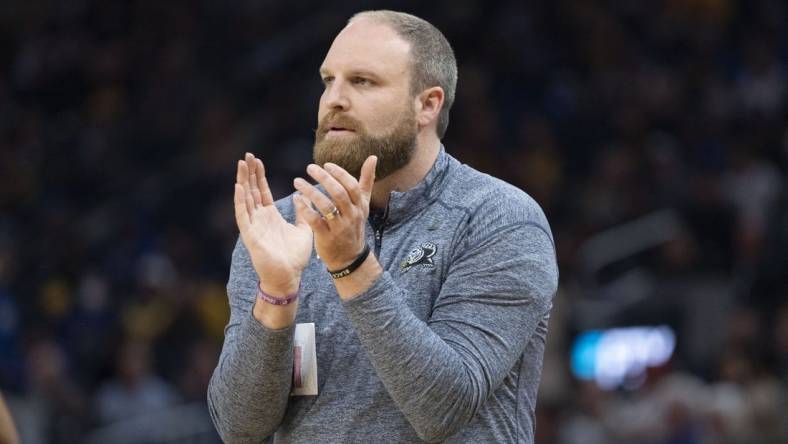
column 449, row 350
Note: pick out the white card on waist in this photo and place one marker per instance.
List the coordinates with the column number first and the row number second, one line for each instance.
column 304, row 361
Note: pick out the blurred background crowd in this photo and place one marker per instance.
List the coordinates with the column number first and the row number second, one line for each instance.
column 653, row 133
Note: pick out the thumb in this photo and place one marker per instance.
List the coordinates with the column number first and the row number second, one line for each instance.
column 367, row 176
column 300, row 212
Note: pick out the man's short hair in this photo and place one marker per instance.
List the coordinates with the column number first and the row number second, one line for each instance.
column 431, row 57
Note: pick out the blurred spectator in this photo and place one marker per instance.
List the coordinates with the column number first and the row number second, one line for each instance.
column 134, row 390
column 55, row 406
column 8, row 433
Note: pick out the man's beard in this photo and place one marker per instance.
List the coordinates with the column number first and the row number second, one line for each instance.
column 394, row 150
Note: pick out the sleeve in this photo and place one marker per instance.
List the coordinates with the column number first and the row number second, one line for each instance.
column 249, row 389
column 440, row 372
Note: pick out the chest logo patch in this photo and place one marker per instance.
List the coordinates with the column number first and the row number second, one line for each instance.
column 420, row 256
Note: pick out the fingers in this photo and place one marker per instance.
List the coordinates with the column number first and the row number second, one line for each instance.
column 313, row 195
column 367, row 176
column 305, row 214
column 242, row 179
column 262, row 184
column 334, row 189
column 251, row 176
column 346, row 180
column 252, row 179
column 241, row 211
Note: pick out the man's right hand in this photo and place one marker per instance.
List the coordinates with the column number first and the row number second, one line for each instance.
column 279, row 250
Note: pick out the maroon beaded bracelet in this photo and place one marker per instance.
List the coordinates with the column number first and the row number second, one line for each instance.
column 274, row 300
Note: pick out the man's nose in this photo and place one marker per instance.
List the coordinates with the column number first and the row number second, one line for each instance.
column 335, row 96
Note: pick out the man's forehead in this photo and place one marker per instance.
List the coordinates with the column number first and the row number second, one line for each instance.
column 367, row 45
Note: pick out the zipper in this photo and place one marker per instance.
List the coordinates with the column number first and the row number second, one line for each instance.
column 378, row 240
column 378, row 224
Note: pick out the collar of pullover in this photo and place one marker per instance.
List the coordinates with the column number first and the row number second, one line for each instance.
column 407, row 203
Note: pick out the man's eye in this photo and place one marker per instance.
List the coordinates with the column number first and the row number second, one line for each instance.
column 327, row 80
column 362, row 81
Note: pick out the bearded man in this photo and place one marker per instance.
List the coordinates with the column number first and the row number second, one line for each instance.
column 429, row 284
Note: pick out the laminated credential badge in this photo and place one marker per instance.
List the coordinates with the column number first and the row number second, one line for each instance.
column 304, row 361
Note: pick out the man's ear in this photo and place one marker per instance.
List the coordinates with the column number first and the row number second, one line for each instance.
column 428, row 105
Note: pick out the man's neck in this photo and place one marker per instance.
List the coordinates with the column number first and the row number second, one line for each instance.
column 408, row 176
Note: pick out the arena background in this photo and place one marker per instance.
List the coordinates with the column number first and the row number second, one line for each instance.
column 653, row 133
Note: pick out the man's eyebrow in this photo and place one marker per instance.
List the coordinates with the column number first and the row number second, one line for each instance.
column 364, row 73
column 356, row 72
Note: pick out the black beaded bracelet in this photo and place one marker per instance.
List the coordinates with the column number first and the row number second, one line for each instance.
column 352, row 267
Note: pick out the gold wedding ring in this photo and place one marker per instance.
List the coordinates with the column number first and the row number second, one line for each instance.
column 332, row 214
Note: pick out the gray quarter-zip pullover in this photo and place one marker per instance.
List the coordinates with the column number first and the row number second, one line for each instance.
column 446, row 345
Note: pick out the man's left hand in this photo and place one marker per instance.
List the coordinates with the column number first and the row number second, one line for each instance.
column 340, row 219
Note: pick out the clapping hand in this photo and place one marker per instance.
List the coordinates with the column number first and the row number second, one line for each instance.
column 338, row 217
column 279, row 250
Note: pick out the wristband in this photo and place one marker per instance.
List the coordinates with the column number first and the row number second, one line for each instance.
column 277, row 300
column 352, row 267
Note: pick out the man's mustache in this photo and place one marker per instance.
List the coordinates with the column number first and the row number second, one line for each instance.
column 336, row 120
